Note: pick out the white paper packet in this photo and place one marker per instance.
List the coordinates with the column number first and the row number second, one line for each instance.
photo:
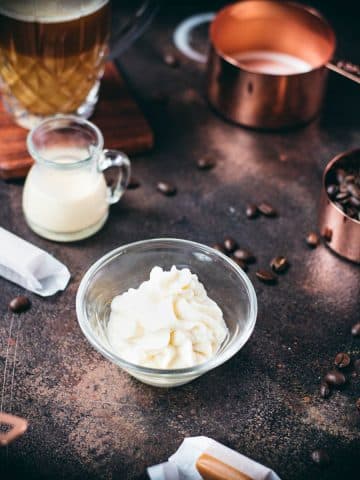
column 181, row 465
column 30, row 267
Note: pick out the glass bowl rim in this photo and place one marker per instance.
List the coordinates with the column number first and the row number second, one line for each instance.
column 198, row 369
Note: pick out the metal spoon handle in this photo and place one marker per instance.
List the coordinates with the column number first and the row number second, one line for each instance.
column 346, row 69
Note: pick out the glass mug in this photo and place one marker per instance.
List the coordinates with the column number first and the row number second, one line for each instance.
column 53, row 52
column 65, row 195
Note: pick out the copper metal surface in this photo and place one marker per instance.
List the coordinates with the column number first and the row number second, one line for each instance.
column 340, row 232
column 263, row 100
column 18, row 427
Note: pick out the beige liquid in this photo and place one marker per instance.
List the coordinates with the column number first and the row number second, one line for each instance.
column 65, row 200
column 272, row 63
column 52, row 52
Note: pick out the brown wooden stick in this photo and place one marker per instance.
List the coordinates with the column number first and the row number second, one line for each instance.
column 210, row 468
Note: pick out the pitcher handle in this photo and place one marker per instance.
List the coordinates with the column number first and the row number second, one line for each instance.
column 134, row 27
column 117, row 159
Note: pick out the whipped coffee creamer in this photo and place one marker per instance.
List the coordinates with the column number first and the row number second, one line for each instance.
column 65, row 200
column 167, row 322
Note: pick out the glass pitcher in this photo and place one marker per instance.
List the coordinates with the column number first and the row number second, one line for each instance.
column 53, row 52
column 65, row 195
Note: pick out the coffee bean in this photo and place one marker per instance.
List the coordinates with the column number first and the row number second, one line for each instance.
column 219, row 247
column 244, row 255
column 320, row 457
column 230, row 244
column 340, row 197
column 355, row 330
column 324, row 390
column 335, row 378
column 279, row 264
column 251, row 211
column 357, row 404
column 266, row 276
column 241, row 263
column 355, row 202
column 340, row 175
column 342, row 360
column 350, row 178
column 166, row 188
column 133, row 183
column 205, row 163
column 357, row 365
column 170, row 60
column 354, row 190
column 332, row 190
column 19, row 304
column 312, row 240
column 267, row 210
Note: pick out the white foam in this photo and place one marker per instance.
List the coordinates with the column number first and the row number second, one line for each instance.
column 272, row 63
column 49, row 11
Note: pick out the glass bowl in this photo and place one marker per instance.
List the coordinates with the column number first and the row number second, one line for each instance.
column 130, row 265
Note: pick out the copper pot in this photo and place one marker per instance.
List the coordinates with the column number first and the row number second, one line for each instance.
column 241, row 92
column 340, row 232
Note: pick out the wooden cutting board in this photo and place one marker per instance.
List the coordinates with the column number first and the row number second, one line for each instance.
column 117, row 115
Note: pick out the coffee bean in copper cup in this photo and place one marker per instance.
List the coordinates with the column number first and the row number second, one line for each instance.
column 339, row 215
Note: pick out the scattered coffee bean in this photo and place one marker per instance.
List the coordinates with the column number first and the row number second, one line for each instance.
column 267, row 210
column 230, row 244
column 133, row 183
column 266, row 276
column 166, row 188
column 355, row 330
column 205, row 163
column 342, row 360
column 312, row 240
column 19, row 304
column 244, row 255
column 279, row 264
column 170, row 60
column 320, row 457
column 357, row 403
column 251, row 211
column 324, row 390
column 219, row 247
column 241, row 263
column 335, row 378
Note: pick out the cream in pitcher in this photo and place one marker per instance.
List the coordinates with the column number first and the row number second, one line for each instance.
column 65, row 195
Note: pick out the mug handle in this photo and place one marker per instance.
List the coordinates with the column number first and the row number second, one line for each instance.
column 117, row 159
column 134, row 27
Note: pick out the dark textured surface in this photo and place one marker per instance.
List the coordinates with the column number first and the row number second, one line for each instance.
column 90, row 420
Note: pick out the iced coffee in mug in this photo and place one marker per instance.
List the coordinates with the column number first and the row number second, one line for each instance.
column 52, row 54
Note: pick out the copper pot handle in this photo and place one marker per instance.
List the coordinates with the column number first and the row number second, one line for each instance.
column 346, row 69
column 18, row 427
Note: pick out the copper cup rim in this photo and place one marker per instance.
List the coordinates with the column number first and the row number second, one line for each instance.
column 331, row 164
column 306, row 8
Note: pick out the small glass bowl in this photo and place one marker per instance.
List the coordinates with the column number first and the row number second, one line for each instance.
column 130, row 265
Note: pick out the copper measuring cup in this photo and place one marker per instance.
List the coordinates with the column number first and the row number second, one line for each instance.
column 340, row 232
column 241, row 93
